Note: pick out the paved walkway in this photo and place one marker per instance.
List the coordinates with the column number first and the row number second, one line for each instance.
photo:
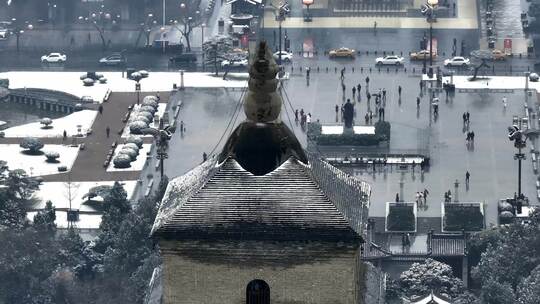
column 88, row 165
column 466, row 19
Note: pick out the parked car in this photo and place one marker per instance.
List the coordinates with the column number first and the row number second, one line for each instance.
column 235, row 63
column 53, row 58
column 183, row 58
column 534, row 77
column 342, row 52
column 285, row 56
column 457, row 61
column 389, row 60
column 115, row 59
column 4, row 34
column 498, row 55
column 421, row 55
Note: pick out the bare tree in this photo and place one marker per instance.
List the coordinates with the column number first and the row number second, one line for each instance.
column 190, row 18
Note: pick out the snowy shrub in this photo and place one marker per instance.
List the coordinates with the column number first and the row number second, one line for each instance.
column 143, row 118
column 135, row 140
column 62, row 168
column 150, row 102
column 52, row 156
column 122, row 161
column 87, row 82
column 137, row 127
column 132, row 153
column 46, row 122
column 132, row 146
column 32, row 145
column 148, row 109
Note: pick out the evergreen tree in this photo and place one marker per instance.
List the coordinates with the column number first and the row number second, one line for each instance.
column 115, row 208
column 16, row 188
column 44, row 219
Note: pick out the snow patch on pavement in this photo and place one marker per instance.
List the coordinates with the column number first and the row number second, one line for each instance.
column 57, row 193
column 492, row 82
column 36, row 164
column 84, row 118
column 71, row 83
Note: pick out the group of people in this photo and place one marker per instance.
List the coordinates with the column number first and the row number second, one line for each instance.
column 421, row 197
column 303, row 117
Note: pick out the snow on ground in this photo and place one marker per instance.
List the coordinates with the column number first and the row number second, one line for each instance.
column 36, row 165
column 57, row 193
column 85, row 118
column 492, row 82
column 339, row 130
column 155, row 123
column 136, row 165
column 70, row 82
column 2, row 123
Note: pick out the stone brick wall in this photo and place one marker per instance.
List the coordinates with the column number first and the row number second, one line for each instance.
column 198, row 272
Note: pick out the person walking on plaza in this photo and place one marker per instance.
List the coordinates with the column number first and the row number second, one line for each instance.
column 353, row 91
column 464, row 118
column 301, row 112
column 182, row 128
column 343, row 87
column 359, row 88
column 472, row 136
column 367, row 118
column 367, row 84
column 204, row 156
column 108, row 131
column 296, row 114
column 397, row 197
column 64, row 136
column 426, row 192
column 467, row 177
column 418, row 102
column 342, row 77
column 100, row 109
column 384, row 94
column 368, row 97
column 504, row 102
column 399, row 91
column 337, row 109
column 468, row 117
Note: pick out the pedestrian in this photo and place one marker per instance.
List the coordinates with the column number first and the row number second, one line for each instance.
column 375, row 26
column 464, row 117
column 397, row 197
column 308, row 118
column 342, row 77
column 426, row 192
column 353, row 91
column 296, row 114
column 384, row 94
column 472, row 136
column 367, row 81
column 337, row 109
column 65, row 135
column 100, row 109
column 417, row 197
column 467, row 177
column 417, row 102
column 359, row 88
column 421, row 198
column 382, row 113
column 343, row 88
column 468, row 117
column 370, row 116
column 366, row 118
column 182, row 128
column 158, row 97
column 368, row 97
column 204, row 156
column 72, row 40
column 468, row 138
column 399, row 91
column 108, row 131
column 421, row 85
column 504, row 101
column 89, row 38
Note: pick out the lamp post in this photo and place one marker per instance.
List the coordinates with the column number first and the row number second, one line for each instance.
column 516, row 135
column 19, row 30
column 307, row 3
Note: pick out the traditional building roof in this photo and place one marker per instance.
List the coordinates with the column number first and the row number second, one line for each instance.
column 224, row 201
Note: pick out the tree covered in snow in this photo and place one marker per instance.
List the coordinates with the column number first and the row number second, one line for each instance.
column 16, row 188
column 44, row 219
column 31, row 144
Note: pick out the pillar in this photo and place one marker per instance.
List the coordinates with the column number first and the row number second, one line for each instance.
column 465, row 271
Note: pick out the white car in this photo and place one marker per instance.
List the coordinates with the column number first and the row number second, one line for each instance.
column 241, row 63
column 285, row 56
column 4, row 34
column 53, row 57
column 390, row 59
column 457, row 61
